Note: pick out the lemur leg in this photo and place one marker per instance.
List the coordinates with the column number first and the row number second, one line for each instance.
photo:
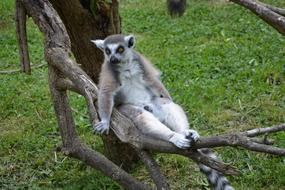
column 173, row 116
column 149, row 125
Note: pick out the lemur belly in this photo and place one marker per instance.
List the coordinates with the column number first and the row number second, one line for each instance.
column 133, row 90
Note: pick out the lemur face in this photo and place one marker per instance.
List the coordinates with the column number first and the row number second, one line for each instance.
column 117, row 48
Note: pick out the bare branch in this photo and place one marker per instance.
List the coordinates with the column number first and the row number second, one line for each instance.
column 64, row 84
column 273, row 8
column 218, row 165
column 100, row 162
column 22, row 37
column 153, row 168
column 131, row 135
column 260, row 131
column 272, row 18
column 237, row 140
column 264, row 140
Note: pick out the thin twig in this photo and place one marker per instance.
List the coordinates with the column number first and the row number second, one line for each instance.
column 261, row 131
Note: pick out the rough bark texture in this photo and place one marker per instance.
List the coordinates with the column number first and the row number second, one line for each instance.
column 20, row 16
column 94, row 19
column 83, row 24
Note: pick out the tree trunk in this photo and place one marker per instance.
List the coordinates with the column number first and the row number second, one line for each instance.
column 94, row 19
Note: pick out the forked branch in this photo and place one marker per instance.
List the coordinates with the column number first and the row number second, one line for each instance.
column 61, row 66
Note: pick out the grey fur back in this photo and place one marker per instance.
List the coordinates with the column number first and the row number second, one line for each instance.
column 114, row 39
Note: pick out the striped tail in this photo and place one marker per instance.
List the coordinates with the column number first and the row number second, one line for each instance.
column 216, row 179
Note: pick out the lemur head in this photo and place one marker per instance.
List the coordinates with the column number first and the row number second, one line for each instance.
column 117, row 48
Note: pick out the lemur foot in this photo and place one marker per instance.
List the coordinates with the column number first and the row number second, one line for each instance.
column 148, row 108
column 101, row 127
column 180, row 141
column 192, row 135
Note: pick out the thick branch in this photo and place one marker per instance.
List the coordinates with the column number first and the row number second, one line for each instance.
column 131, row 135
column 22, row 37
column 153, row 168
column 237, row 140
column 100, row 162
column 274, row 19
column 64, row 84
column 89, row 94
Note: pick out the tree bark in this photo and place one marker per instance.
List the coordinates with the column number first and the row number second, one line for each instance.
column 84, row 24
column 20, row 17
column 94, row 19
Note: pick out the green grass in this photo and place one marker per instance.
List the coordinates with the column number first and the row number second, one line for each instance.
column 225, row 66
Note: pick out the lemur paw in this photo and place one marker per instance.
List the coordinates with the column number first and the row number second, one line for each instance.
column 180, row 141
column 192, row 135
column 148, row 108
column 101, row 127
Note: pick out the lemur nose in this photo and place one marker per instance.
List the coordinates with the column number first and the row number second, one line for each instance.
column 114, row 60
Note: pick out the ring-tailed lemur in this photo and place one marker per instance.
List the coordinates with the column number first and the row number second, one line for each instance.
column 131, row 83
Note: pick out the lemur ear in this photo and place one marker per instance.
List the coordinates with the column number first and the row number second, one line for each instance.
column 130, row 40
column 99, row 43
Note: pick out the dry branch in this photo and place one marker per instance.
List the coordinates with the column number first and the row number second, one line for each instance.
column 22, row 37
column 273, row 8
column 261, row 131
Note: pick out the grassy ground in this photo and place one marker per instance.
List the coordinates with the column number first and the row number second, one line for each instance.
column 221, row 63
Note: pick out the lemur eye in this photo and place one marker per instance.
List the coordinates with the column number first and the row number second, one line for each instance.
column 108, row 51
column 120, row 49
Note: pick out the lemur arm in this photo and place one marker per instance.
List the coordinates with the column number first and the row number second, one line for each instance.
column 108, row 87
column 152, row 78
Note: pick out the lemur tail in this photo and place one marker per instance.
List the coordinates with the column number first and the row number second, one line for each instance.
column 216, row 179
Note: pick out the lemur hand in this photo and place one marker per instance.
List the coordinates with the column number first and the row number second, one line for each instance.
column 180, row 141
column 192, row 135
column 101, row 127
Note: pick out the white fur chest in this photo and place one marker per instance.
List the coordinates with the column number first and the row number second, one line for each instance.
column 133, row 89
